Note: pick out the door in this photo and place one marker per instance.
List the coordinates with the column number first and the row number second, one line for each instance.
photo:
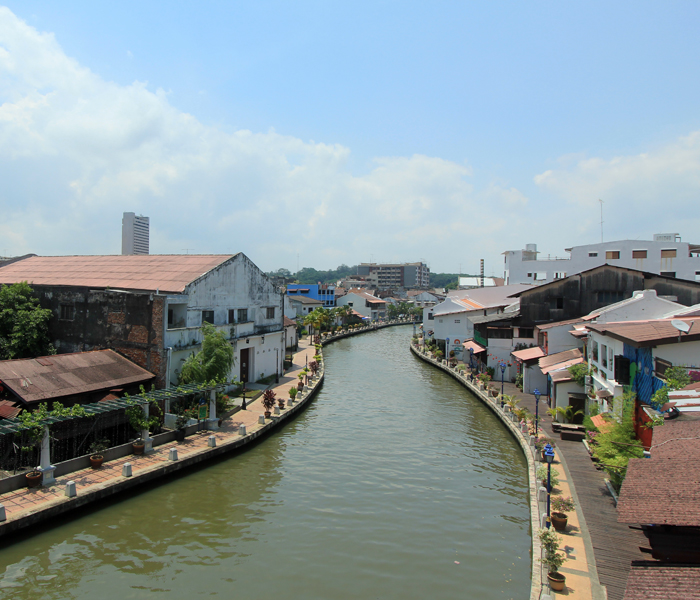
column 245, row 365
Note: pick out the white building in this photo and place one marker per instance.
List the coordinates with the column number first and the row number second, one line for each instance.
column 394, row 275
column 665, row 255
column 135, row 234
column 370, row 307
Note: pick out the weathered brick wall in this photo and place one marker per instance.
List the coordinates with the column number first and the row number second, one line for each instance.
column 129, row 323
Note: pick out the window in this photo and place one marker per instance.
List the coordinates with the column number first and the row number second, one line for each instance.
column 526, row 332
column 610, row 297
column 604, row 356
column 431, row 317
column 457, row 321
column 668, row 253
column 529, row 274
column 231, row 315
column 697, row 275
column 208, row 316
column 639, row 253
column 592, row 254
column 667, row 273
column 622, row 370
column 660, row 367
column 541, row 276
column 270, row 312
column 170, row 317
column 610, row 359
column 560, row 275
column 612, row 254
column 242, row 315
column 67, row 312
column 594, row 349
column 500, row 333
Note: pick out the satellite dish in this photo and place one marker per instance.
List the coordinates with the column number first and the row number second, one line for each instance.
column 681, row 325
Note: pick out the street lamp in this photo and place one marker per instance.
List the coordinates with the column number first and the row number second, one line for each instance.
column 503, row 370
column 549, row 457
column 537, row 409
column 447, row 348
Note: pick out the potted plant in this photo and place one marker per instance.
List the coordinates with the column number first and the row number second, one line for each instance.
column 181, row 424
column 96, row 449
column 553, row 559
column 268, row 402
column 542, row 476
column 560, row 506
column 292, row 393
column 140, row 423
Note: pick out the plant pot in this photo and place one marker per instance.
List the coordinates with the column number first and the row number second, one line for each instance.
column 557, row 581
column 559, row 521
column 268, row 414
column 33, row 478
column 281, row 404
column 180, row 435
column 96, row 461
column 138, row 447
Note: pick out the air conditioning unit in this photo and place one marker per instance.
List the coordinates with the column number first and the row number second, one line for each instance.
column 589, row 381
column 588, row 388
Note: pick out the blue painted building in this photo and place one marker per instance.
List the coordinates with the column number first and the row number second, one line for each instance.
column 317, row 291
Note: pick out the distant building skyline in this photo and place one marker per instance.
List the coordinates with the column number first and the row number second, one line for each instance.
column 135, row 234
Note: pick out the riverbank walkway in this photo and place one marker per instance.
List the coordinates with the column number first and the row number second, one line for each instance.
column 613, row 545
column 27, row 502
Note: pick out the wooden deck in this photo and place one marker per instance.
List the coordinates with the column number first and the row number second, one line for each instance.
column 615, row 545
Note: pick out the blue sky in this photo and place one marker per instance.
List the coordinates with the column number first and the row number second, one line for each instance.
column 345, row 132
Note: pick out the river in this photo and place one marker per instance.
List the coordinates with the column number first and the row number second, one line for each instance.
column 394, row 483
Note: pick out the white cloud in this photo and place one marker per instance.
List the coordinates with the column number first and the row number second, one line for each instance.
column 644, row 193
column 76, row 151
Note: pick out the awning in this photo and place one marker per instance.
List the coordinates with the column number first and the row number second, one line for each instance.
column 579, row 333
column 529, row 353
column 472, row 345
column 561, row 376
column 562, row 365
column 603, row 394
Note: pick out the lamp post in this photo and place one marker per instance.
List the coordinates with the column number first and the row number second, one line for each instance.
column 537, row 409
column 549, row 457
column 503, row 371
column 447, row 348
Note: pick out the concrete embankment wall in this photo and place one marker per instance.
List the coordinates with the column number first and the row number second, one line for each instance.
column 524, row 443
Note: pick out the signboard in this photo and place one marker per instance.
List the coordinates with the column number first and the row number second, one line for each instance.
column 202, row 416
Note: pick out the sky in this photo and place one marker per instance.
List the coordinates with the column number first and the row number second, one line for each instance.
column 314, row 134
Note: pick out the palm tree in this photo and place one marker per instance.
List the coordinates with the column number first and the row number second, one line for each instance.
column 568, row 413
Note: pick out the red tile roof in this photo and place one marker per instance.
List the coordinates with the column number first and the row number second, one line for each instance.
column 662, row 581
column 167, row 273
column 61, row 375
column 560, row 360
column 529, row 353
column 288, row 322
column 665, row 489
column 650, row 332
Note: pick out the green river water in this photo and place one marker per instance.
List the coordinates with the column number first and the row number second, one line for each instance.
column 394, row 483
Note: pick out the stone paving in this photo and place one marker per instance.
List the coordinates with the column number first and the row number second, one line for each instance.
column 24, row 501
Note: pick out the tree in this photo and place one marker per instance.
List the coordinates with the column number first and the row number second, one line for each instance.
column 213, row 362
column 24, row 325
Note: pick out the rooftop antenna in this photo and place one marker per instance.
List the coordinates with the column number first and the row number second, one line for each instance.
column 601, row 220
column 187, row 250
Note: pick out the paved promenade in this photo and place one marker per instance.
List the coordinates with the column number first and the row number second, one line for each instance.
column 27, row 506
column 613, row 545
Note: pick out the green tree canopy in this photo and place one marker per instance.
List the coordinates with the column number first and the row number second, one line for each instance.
column 213, row 362
column 24, row 325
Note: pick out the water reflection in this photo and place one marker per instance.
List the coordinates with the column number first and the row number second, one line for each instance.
column 395, row 483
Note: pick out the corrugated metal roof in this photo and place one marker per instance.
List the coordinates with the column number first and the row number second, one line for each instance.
column 560, row 360
column 166, row 273
column 474, row 346
column 69, row 374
